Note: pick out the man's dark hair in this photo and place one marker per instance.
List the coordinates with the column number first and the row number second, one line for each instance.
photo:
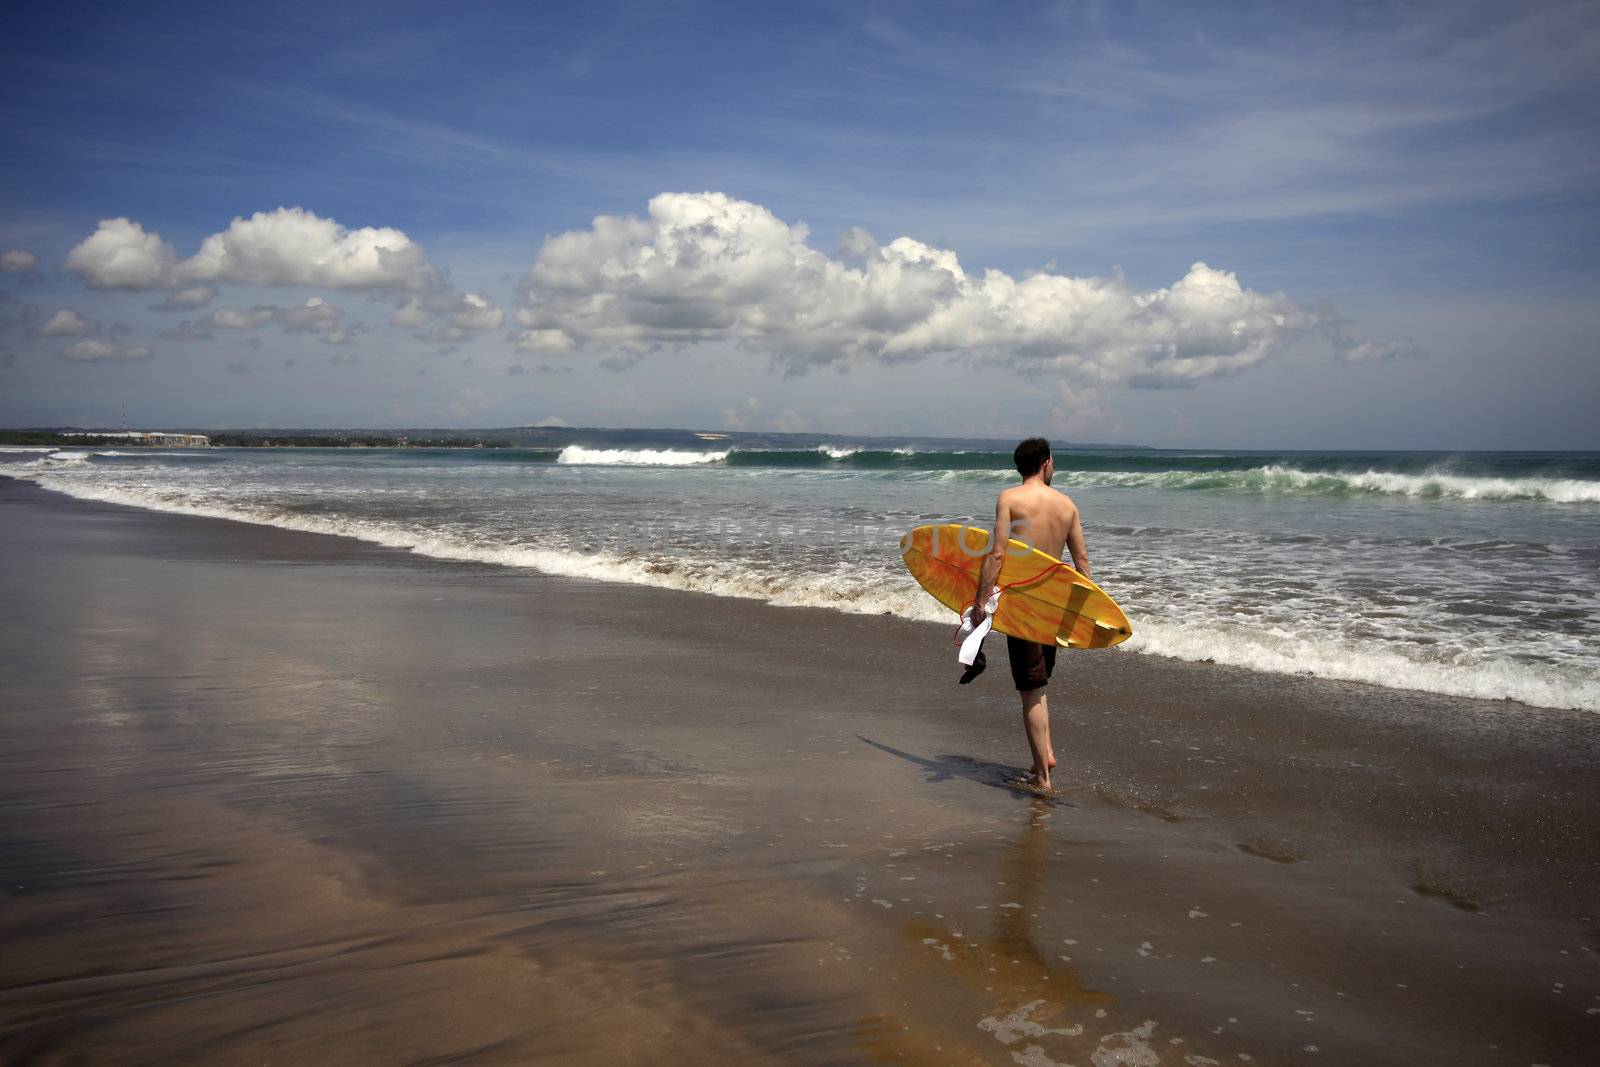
column 1030, row 456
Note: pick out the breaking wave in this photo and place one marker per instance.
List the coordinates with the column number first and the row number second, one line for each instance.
column 636, row 457
column 1452, row 674
column 1282, row 480
column 1140, row 472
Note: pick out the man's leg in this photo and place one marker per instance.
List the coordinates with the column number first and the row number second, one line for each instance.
column 1031, row 667
column 1036, row 721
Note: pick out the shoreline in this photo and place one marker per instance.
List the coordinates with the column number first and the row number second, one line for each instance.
column 805, row 841
column 1512, row 683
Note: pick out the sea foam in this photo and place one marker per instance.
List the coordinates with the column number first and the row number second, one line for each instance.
column 637, row 457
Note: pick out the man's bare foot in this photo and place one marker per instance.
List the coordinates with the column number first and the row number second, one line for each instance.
column 1050, row 760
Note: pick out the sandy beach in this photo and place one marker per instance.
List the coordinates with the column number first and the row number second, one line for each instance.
column 271, row 797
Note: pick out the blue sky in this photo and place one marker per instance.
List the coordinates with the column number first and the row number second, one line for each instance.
column 1396, row 203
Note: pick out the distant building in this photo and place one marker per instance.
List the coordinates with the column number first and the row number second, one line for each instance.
column 150, row 437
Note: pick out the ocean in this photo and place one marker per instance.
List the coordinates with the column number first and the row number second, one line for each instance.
column 1469, row 574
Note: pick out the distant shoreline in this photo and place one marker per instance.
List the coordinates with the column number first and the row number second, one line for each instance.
column 541, row 437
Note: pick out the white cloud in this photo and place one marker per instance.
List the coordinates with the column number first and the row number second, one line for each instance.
column 476, row 312
column 121, row 255
column 705, row 267
column 788, row 422
column 466, row 312
column 64, row 323
column 546, row 341
column 1081, row 415
column 186, row 331
column 241, row 318
column 739, row 418
column 288, row 246
column 410, row 315
column 552, row 420
column 102, row 352
column 185, row 299
column 15, row 259
column 314, row 316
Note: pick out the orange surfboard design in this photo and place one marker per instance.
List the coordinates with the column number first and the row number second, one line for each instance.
column 1042, row 600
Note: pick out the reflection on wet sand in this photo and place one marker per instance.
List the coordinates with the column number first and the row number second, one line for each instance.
column 1043, row 1007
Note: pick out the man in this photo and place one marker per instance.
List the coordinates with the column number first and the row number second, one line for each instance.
column 1045, row 519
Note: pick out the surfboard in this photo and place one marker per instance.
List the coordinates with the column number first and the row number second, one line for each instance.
column 1043, row 599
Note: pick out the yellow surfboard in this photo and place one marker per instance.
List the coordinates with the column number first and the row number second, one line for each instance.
column 1042, row 600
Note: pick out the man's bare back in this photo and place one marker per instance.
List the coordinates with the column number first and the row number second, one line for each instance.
column 1043, row 518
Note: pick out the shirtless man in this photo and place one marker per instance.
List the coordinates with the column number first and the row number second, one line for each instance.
column 1045, row 519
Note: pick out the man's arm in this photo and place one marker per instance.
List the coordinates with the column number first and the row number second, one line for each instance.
column 999, row 542
column 1080, row 554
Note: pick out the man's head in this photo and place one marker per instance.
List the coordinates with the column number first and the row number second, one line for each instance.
column 1033, row 457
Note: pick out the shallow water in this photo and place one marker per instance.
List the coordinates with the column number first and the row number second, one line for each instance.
column 1473, row 575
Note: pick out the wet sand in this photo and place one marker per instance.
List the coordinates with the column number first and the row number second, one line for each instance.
column 274, row 797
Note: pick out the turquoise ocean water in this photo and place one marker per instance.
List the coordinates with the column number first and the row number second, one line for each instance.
column 1473, row 574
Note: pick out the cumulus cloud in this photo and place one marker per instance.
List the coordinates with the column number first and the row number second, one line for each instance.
column 462, row 313
column 196, row 296
column 705, row 267
column 13, row 260
column 477, row 312
column 104, row 352
column 121, row 255
column 409, row 316
column 241, row 318
column 789, row 421
column 314, row 316
column 738, row 418
column 186, row 331
column 64, row 323
column 288, row 246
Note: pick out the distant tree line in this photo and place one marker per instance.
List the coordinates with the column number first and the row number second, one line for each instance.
column 47, row 438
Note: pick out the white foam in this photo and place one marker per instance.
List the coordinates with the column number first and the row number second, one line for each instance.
column 1279, row 653
column 143, row 454
column 637, row 457
column 1274, row 478
column 56, row 460
column 837, row 453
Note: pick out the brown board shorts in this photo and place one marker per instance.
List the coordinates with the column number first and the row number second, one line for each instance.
column 1031, row 664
